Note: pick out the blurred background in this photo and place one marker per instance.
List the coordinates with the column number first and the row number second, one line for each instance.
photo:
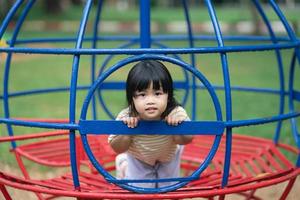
column 235, row 16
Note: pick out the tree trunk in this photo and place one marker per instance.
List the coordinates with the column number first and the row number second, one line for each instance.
column 76, row 2
column 54, row 6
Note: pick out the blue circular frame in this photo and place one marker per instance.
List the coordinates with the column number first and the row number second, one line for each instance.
column 181, row 181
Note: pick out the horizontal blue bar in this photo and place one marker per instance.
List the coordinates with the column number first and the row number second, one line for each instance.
column 201, row 50
column 265, row 120
column 151, row 127
column 49, row 125
column 121, row 85
column 237, row 38
column 157, row 127
column 296, row 95
column 179, row 179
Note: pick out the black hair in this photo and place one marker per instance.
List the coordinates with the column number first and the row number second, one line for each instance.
column 140, row 78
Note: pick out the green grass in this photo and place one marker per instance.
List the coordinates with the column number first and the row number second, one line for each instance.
column 251, row 69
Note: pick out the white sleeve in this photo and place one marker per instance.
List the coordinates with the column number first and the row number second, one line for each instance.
column 120, row 116
column 180, row 111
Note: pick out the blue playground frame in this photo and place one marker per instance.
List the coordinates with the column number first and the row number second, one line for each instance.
column 147, row 41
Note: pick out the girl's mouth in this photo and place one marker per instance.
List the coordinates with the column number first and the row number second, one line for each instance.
column 151, row 109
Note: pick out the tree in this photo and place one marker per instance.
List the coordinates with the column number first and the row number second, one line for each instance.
column 76, row 2
column 55, row 6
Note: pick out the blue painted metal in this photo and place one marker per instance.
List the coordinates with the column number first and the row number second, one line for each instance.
column 8, row 66
column 280, row 68
column 46, row 125
column 129, row 60
column 145, row 26
column 73, row 86
column 192, row 57
column 9, row 16
column 147, row 41
column 228, row 102
column 259, row 121
column 294, row 125
column 286, row 25
column 94, row 46
column 293, row 37
column 123, row 63
column 155, row 38
column 115, row 85
column 103, row 127
column 200, row 50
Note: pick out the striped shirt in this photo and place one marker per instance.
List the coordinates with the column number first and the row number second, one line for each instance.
column 152, row 148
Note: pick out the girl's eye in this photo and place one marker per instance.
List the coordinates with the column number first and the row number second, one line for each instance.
column 140, row 94
column 158, row 93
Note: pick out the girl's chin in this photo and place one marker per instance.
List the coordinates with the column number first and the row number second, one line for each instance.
column 150, row 118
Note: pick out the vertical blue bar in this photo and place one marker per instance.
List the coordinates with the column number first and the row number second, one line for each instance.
column 227, row 86
column 94, row 46
column 145, row 30
column 286, row 25
column 9, row 16
column 193, row 59
column 8, row 65
column 280, row 68
column 73, row 90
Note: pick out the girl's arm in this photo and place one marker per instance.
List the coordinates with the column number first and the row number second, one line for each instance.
column 120, row 143
column 183, row 139
column 175, row 117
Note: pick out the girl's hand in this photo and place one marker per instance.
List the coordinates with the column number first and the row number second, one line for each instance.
column 174, row 120
column 131, row 122
column 176, row 116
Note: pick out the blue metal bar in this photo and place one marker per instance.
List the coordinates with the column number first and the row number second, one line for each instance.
column 200, row 50
column 233, row 38
column 49, row 125
column 145, row 24
column 287, row 27
column 73, row 86
column 119, row 85
column 124, row 63
column 181, row 179
column 118, row 128
column 103, row 86
column 94, row 46
column 296, row 95
column 8, row 65
column 193, row 59
column 9, row 16
column 293, row 121
column 293, row 38
column 41, row 91
column 226, row 78
column 280, row 68
column 85, row 127
column 258, row 121
column 181, row 183
column 129, row 60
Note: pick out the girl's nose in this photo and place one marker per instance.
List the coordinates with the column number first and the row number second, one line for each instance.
column 150, row 99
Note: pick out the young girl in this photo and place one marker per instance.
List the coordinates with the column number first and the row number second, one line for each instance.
column 149, row 91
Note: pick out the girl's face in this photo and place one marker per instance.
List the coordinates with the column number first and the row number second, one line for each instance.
column 150, row 103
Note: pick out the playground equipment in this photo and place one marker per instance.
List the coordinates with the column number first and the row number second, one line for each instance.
column 217, row 163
